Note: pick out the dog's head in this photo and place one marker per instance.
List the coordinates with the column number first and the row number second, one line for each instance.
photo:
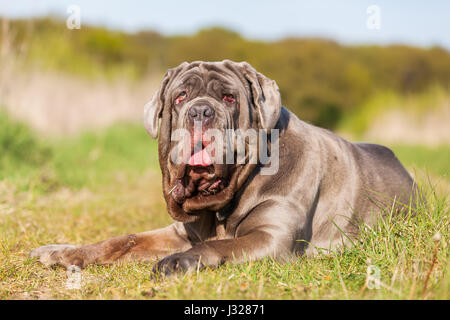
column 198, row 97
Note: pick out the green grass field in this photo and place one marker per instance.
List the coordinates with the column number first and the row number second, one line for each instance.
column 95, row 186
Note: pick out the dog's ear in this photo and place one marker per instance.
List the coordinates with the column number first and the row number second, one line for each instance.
column 266, row 96
column 154, row 108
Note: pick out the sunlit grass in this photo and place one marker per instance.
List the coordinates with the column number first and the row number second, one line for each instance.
column 402, row 249
column 107, row 184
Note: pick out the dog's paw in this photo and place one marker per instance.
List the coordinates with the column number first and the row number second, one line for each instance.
column 177, row 263
column 57, row 254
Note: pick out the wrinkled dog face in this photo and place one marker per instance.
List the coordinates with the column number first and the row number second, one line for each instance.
column 201, row 98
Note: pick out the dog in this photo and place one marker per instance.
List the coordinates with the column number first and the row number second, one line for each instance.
column 323, row 189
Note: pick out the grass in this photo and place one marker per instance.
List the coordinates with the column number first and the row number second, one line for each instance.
column 95, row 186
column 435, row 159
column 87, row 160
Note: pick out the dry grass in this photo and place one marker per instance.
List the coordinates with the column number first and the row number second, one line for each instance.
column 412, row 265
column 69, row 216
column 62, row 104
column 401, row 126
column 392, row 118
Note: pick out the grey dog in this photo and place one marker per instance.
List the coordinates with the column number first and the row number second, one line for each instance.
column 324, row 190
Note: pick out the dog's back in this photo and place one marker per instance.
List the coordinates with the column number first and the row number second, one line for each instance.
column 385, row 177
column 355, row 182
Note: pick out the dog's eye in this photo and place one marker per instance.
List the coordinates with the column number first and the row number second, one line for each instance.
column 228, row 98
column 181, row 97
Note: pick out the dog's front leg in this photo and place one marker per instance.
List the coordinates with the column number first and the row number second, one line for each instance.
column 269, row 231
column 142, row 247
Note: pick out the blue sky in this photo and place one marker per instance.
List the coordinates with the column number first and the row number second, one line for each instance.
column 422, row 23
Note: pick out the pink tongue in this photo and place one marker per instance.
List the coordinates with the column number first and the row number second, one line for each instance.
column 200, row 158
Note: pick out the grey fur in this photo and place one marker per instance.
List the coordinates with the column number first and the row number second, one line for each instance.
column 324, row 189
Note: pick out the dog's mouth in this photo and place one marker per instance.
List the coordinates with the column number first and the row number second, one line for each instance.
column 200, row 176
column 198, row 181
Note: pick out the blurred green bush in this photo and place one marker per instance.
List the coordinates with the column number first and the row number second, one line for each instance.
column 19, row 146
column 320, row 80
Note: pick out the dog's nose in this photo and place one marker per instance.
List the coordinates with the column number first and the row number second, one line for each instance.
column 201, row 113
